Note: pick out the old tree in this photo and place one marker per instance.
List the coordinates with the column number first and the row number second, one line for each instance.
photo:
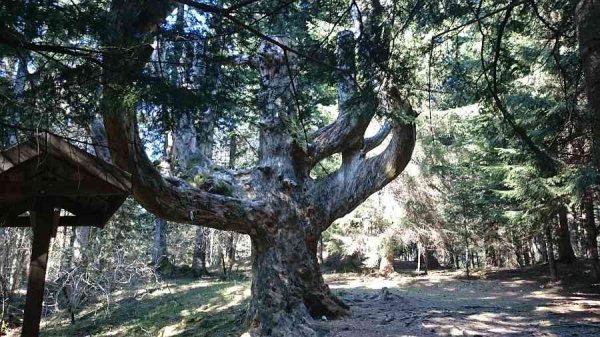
column 277, row 204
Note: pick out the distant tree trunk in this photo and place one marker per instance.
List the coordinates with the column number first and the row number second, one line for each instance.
column 98, row 135
column 425, row 258
column 432, row 261
column 386, row 264
column 591, row 232
column 18, row 262
column 160, row 253
column 199, row 258
column 492, row 259
column 519, row 254
column 230, row 249
column 418, row 258
column 386, row 261
column 467, row 251
column 565, row 248
column 80, row 243
column 550, row 247
column 540, row 244
column 232, row 237
column 526, row 257
column 20, row 80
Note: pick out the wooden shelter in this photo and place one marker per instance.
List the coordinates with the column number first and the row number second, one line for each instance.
column 46, row 182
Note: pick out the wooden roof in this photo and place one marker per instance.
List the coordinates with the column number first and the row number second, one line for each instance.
column 46, row 168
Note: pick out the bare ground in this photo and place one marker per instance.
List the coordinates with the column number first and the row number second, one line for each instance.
column 443, row 303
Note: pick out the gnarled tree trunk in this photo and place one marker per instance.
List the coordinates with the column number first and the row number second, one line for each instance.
column 278, row 204
column 287, row 286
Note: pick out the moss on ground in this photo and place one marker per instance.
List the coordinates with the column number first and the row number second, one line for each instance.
column 181, row 308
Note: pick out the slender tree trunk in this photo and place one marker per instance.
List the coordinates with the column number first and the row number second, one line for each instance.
column 591, row 232
column 540, row 244
column 565, row 248
column 519, row 254
column 199, row 258
column 467, row 251
column 20, row 79
column 426, row 261
column 418, row 258
column 232, row 239
column 82, row 238
column 550, row 247
column 526, row 258
column 159, row 250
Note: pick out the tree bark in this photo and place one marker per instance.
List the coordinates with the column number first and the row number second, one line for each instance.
column 550, row 246
column 20, row 79
column 425, row 258
column 278, row 204
column 565, row 248
column 160, row 254
column 418, row 258
column 287, row 286
column 82, row 238
column 586, row 15
column 540, row 244
column 591, row 232
column 199, row 259
column 432, row 261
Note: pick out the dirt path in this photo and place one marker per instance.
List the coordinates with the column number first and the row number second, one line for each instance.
column 443, row 304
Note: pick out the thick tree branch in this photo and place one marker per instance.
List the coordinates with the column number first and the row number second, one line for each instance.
column 378, row 138
column 171, row 199
column 358, row 178
column 355, row 113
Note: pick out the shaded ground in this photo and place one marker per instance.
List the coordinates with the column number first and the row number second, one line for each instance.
column 182, row 307
column 507, row 303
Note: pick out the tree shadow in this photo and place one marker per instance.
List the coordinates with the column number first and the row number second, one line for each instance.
column 184, row 308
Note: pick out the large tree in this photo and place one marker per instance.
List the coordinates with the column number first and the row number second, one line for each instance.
column 278, row 204
column 586, row 14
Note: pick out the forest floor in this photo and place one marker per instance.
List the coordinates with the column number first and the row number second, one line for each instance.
column 443, row 303
column 501, row 303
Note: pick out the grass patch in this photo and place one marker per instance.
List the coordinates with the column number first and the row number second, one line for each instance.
column 181, row 308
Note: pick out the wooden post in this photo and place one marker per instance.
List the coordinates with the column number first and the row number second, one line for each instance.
column 43, row 222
